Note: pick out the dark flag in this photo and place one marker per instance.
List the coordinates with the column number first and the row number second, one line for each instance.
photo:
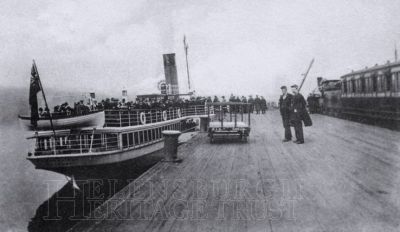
column 33, row 90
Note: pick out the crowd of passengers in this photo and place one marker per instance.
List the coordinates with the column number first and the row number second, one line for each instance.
column 258, row 104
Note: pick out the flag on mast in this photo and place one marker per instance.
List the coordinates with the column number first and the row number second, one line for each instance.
column 33, row 90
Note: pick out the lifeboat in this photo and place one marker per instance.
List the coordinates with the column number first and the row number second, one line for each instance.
column 92, row 119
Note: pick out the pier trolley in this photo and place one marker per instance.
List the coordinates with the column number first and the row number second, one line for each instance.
column 232, row 119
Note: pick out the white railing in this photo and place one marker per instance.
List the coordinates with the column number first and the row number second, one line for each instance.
column 125, row 117
column 92, row 142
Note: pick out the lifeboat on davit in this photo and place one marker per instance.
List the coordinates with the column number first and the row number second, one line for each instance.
column 92, row 119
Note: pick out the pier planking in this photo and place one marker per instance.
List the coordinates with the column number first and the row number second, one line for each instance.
column 346, row 177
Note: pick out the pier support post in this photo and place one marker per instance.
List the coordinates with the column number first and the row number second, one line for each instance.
column 203, row 124
column 171, row 145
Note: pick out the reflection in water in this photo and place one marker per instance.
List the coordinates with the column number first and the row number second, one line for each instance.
column 69, row 205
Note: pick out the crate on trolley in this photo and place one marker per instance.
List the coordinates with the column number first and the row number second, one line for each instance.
column 232, row 120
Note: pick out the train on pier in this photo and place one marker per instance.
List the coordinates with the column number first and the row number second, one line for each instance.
column 370, row 95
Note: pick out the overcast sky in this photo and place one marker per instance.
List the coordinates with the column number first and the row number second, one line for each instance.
column 241, row 47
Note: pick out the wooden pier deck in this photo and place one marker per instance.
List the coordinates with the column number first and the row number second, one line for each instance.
column 346, row 177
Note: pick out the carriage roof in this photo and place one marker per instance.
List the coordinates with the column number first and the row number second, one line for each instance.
column 373, row 69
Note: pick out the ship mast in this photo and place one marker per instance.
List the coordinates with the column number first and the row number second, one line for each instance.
column 186, row 47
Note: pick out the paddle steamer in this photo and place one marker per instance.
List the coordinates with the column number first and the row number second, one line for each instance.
column 126, row 135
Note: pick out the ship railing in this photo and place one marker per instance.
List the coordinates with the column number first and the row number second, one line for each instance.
column 135, row 117
column 87, row 143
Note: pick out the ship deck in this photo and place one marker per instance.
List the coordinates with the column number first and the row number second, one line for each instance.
column 346, row 177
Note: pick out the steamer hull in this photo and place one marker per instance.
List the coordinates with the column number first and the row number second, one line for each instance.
column 107, row 166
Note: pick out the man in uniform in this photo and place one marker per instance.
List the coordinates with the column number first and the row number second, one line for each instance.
column 257, row 104
column 284, row 106
column 263, row 103
column 298, row 109
column 251, row 102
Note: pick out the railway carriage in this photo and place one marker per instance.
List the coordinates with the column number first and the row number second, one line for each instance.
column 367, row 95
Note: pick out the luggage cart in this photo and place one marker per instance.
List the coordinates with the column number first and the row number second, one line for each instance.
column 232, row 120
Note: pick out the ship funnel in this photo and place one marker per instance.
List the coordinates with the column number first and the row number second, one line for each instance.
column 171, row 75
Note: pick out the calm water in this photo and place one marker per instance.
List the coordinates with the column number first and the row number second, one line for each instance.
column 23, row 188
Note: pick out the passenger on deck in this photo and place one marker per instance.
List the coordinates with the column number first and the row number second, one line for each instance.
column 263, row 104
column 257, row 104
column 284, row 107
column 40, row 112
column 298, row 109
column 46, row 113
column 251, row 101
column 68, row 110
column 223, row 99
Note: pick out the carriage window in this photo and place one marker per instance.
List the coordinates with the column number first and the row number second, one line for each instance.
column 381, row 83
column 397, row 76
column 388, row 78
column 353, row 85
column 374, row 83
column 362, row 84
